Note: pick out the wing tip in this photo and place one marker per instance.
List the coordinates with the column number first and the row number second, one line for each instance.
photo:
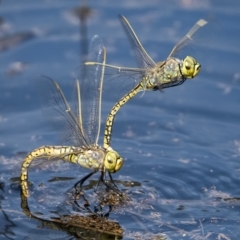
column 202, row 22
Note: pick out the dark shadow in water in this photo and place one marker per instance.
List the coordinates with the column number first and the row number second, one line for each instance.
column 5, row 223
column 94, row 224
column 83, row 13
column 86, row 214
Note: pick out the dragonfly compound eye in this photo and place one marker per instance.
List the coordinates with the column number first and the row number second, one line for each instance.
column 110, row 161
column 190, row 67
column 113, row 162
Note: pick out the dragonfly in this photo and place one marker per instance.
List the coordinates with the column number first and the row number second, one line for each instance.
column 150, row 75
column 79, row 127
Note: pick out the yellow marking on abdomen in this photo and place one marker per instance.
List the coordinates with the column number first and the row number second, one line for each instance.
column 113, row 112
column 48, row 152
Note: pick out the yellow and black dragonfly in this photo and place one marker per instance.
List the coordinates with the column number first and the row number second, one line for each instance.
column 80, row 128
column 150, row 76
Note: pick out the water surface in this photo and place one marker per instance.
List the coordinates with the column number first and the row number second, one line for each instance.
column 181, row 146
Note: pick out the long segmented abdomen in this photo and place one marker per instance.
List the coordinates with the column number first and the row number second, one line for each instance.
column 113, row 112
column 69, row 154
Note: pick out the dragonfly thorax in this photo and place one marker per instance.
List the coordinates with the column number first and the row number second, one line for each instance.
column 91, row 158
column 165, row 74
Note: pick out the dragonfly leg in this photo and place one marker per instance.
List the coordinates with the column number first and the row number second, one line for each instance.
column 101, row 179
column 112, row 181
column 80, row 182
column 114, row 184
column 113, row 188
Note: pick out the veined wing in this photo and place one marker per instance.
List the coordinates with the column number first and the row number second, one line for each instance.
column 143, row 59
column 78, row 106
column 91, row 92
column 122, row 79
column 58, row 112
column 189, row 39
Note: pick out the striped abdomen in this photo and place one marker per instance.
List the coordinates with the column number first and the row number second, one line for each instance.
column 113, row 112
column 85, row 157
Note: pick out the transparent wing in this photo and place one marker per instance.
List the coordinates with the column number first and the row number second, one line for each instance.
column 44, row 163
column 117, row 80
column 78, row 105
column 143, row 59
column 91, row 91
column 190, row 40
column 58, row 112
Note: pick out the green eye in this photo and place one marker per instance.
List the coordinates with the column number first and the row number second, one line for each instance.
column 190, row 67
column 113, row 162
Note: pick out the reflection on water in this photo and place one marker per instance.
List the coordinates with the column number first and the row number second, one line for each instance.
column 6, row 225
column 146, row 210
column 8, row 42
column 144, row 214
column 181, row 147
column 83, row 13
column 16, row 68
column 89, row 226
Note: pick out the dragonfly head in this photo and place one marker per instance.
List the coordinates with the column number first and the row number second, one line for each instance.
column 112, row 161
column 190, row 67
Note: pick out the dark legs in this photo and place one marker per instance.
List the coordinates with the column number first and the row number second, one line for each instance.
column 80, row 182
column 112, row 184
column 111, row 179
column 102, row 178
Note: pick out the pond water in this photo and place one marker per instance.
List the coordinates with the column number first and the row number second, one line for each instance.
column 181, row 146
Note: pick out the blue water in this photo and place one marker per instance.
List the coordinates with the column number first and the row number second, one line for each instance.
column 181, row 146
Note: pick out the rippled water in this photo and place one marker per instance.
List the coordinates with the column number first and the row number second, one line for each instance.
column 181, row 146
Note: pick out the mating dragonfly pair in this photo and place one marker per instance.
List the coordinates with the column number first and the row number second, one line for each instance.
column 81, row 128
